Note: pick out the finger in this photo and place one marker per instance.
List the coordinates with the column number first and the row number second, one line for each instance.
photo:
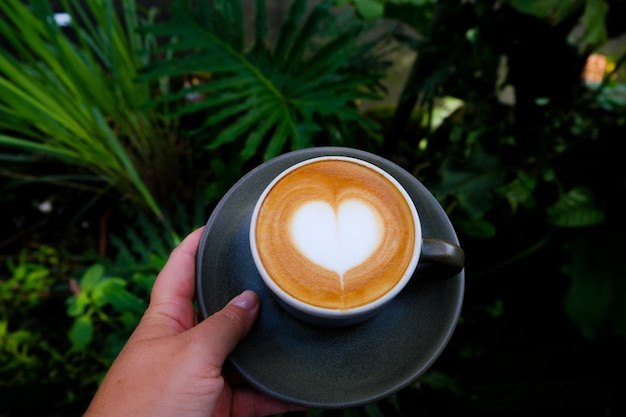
column 177, row 278
column 220, row 333
column 171, row 308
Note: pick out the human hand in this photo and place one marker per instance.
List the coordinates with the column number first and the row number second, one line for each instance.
column 172, row 365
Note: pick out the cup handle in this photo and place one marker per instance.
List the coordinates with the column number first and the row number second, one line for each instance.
column 440, row 259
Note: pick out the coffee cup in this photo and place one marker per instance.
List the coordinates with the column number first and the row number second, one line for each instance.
column 335, row 239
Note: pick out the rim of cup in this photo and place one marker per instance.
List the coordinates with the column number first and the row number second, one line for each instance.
column 329, row 313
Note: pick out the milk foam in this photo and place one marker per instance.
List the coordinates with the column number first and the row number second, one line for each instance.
column 338, row 238
column 333, row 234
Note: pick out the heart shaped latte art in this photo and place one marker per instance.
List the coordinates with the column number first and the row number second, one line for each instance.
column 340, row 238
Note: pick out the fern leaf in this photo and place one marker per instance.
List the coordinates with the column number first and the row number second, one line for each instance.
column 124, row 254
column 142, row 245
column 154, row 241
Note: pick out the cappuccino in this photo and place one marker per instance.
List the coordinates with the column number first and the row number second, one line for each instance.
column 335, row 233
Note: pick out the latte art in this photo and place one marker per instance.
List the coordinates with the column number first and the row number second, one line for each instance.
column 335, row 234
column 338, row 238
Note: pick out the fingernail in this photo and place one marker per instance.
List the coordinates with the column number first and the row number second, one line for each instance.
column 247, row 300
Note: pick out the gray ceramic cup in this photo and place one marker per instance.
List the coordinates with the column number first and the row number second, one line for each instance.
column 445, row 259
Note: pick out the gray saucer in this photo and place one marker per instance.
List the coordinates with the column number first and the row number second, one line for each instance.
column 318, row 367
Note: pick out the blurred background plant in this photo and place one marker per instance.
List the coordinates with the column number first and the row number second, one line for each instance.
column 69, row 92
column 257, row 92
column 122, row 127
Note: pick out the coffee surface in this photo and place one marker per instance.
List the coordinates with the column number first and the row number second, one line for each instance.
column 335, row 234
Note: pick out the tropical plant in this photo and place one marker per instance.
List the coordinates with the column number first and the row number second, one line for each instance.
column 96, row 293
column 69, row 92
column 530, row 182
column 264, row 99
column 30, row 350
column 500, row 164
column 525, row 168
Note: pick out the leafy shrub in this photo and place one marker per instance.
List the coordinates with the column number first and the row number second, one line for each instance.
column 27, row 283
column 64, row 332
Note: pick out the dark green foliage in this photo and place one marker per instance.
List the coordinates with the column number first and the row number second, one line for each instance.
column 532, row 183
column 264, row 99
column 540, row 166
column 27, row 282
column 72, row 94
column 106, row 300
column 576, row 209
column 596, row 300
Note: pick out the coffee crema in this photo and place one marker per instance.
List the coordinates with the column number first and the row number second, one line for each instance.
column 335, row 234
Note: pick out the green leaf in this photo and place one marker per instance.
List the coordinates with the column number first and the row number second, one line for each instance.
column 144, row 281
column 328, row 58
column 370, row 9
column 304, row 38
column 124, row 162
column 594, row 22
column 278, row 140
column 90, row 278
column 288, row 31
column 260, row 28
column 35, row 147
column 102, row 292
column 478, row 228
column 124, row 301
column 554, row 10
column 73, row 94
column 243, row 108
column 145, row 245
column 416, row 14
column 596, row 299
column 576, row 209
column 258, row 134
column 472, row 184
column 520, row 191
column 112, row 291
column 81, row 333
column 77, row 305
column 246, row 123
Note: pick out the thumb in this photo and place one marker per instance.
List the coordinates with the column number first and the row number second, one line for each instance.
column 222, row 331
